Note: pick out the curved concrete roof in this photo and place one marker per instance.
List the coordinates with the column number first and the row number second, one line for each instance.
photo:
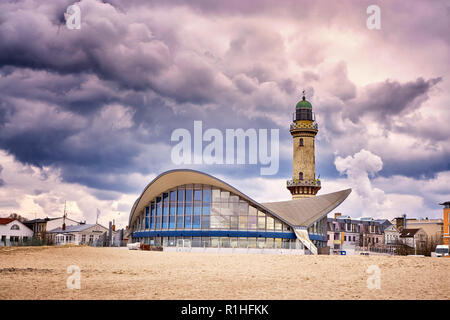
column 294, row 213
column 303, row 212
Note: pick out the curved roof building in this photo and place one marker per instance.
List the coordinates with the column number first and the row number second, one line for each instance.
column 187, row 205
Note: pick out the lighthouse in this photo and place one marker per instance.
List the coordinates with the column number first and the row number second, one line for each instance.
column 303, row 130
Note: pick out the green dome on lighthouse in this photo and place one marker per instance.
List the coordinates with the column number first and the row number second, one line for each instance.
column 303, row 103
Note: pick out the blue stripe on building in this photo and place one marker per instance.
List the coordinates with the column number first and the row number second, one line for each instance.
column 214, row 233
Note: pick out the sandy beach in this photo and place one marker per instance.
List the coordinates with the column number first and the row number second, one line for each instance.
column 117, row 273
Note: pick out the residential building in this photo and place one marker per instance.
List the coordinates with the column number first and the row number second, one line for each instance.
column 345, row 232
column 78, row 234
column 13, row 232
column 391, row 235
column 414, row 239
column 41, row 226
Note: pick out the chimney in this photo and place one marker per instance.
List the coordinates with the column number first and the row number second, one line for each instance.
column 336, row 215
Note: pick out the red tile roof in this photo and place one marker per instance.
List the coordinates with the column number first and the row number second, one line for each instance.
column 6, row 220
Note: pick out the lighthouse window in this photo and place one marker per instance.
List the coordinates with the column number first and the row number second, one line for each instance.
column 301, row 142
column 301, row 175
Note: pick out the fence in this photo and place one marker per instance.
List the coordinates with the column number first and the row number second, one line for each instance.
column 21, row 243
column 105, row 243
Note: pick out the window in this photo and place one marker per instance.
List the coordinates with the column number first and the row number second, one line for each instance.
column 15, row 227
column 204, row 207
column 301, row 142
column 300, row 175
column 147, row 217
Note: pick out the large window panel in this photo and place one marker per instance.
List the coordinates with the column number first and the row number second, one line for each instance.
column 278, row 243
column 220, row 222
column 252, row 222
column 234, row 222
column 270, row 223
column 196, row 222
column 225, row 209
column 262, row 223
column 198, row 195
column 261, row 243
column 206, row 194
column 252, row 242
column 243, row 243
column 269, row 243
column 152, row 215
column 205, row 222
column 187, row 221
column 180, row 224
column 234, row 207
column 224, row 242
column 206, row 209
column 278, row 225
column 243, row 208
column 224, row 196
column 197, row 208
column 147, row 217
column 165, row 204
column 243, row 222
column 216, row 195
column 165, row 222
column 214, row 242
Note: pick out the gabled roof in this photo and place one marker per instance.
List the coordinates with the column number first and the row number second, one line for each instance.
column 49, row 219
column 406, row 233
column 392, row 227
column 6, row 220
column 76, row 228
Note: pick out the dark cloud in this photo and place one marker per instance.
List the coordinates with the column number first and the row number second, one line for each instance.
column 384, row 100
column 100, row 103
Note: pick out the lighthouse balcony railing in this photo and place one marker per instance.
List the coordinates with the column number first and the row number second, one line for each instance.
column 303, row 183
column 312, row 125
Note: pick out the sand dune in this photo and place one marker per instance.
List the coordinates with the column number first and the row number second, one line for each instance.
column 116, row 273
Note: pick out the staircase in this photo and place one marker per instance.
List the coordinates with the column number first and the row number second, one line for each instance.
column 302, row 235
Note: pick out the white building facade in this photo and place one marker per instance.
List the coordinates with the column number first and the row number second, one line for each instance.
column 78, row 234
column 13, row 232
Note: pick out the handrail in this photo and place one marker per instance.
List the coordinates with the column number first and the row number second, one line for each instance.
column 298, row 182
column 312, row 125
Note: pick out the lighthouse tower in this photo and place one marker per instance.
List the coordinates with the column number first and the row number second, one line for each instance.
column 303, row 130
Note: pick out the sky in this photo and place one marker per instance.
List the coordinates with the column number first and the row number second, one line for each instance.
column 86, row 115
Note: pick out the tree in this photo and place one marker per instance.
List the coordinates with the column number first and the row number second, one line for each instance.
column 18, row 217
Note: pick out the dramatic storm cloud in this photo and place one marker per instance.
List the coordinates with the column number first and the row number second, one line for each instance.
column 92, row 110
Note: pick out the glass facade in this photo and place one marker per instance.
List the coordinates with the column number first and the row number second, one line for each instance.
column 197, row 207
column 206, row 209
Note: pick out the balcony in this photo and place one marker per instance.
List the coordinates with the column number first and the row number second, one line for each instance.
column 313, row 125
column 303, row 183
